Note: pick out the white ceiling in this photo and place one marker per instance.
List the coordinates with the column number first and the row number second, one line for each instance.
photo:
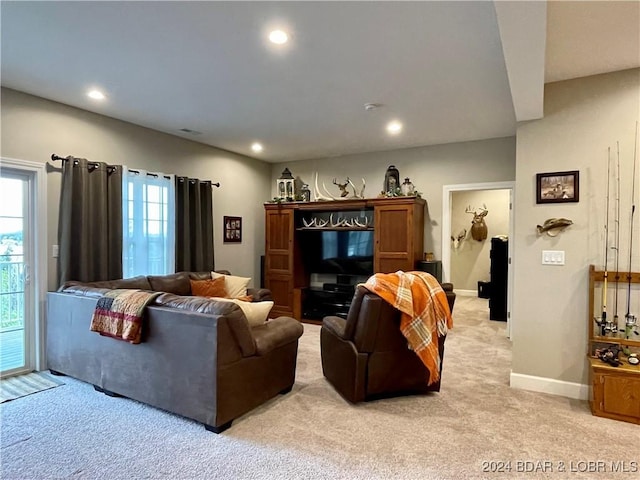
column 450, row 71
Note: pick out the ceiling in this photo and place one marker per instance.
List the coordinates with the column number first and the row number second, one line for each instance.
column 449, row 71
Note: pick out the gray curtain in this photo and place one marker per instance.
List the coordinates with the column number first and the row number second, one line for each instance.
column 194, row 225
column 90, row 223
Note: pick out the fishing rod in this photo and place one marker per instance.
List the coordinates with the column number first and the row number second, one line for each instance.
column 630, row 320
column 617, row 247
column 603, row 318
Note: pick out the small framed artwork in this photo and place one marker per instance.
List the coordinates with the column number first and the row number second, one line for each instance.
column 232, row 231
column 558, row 187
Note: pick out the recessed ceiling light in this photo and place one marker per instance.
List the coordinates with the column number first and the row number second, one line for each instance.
column 394, row 127
column 278, row 37
column 96, row 94
column 256, row 147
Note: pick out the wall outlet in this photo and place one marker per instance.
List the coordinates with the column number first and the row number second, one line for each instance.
column 553, row 257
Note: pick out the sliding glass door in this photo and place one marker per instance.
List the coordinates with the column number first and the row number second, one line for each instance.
column 17, row 319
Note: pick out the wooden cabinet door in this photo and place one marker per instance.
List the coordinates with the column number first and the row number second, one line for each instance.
column 621, row 395
column 399, row 236
column 279, row 259
column 615, row 391
column 281, row 287
column 279, row 246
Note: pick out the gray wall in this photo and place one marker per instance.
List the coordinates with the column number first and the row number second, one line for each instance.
column 429, row 168
column 549, row 317
column 33, row 128
column 470, row 263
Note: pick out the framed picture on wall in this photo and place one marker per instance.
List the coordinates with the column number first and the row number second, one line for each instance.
column 232, row 229
column 558, row 187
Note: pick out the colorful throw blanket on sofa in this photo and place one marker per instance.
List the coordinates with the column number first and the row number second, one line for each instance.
column 118, row 314
column 425, row 312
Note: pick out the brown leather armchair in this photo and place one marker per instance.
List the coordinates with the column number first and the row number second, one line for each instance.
column 366, row 356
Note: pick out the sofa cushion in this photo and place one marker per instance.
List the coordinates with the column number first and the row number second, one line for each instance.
column 177, row 283
column 78, row 288
column 200, row 275
column 213, row 287
column 198, row 304
column 236, row 286
column 140, row 282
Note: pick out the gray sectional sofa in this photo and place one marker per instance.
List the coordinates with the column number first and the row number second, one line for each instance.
column 198, row 358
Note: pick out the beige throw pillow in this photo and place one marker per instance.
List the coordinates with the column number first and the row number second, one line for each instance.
column 256, row 313
column 235, row 286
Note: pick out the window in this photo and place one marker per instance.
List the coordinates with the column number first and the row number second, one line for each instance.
column 148, row 202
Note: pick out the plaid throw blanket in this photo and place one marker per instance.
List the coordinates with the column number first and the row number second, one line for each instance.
column 118, row 314
column 425, row 312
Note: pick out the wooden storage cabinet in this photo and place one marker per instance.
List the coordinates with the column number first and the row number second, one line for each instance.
column 279, row 259
column 615, row 391
column 398, row 238
column 399, row 234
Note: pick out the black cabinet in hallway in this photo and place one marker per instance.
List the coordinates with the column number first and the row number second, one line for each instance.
column 499, row 269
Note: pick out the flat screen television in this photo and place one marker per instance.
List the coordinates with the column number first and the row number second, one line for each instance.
column 343, row 252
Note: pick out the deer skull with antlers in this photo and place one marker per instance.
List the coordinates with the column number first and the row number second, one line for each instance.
column 478, row 227
column 456, row 240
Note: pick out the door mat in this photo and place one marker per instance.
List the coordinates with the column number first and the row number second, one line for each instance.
column 22, row 385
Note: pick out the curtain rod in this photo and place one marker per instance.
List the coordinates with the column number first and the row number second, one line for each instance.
column 55, row 157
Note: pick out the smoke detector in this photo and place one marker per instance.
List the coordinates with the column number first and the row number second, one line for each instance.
column 371, row 106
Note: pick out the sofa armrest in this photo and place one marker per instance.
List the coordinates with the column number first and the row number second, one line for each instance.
column 335, row 325
column 260, row 294
column 276, row 333
column 447, row 287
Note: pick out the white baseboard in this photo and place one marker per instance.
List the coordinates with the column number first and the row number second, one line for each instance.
column 549, row 385
column 466, row 293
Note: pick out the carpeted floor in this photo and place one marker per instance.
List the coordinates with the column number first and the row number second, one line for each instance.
column 474, row 426
column 23, row 385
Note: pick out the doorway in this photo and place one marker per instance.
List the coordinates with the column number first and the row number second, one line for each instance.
column 463, row 246
column 22, row 265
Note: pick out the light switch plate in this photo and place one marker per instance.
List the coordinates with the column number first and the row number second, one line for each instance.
column 553, row 257
column 55, row 251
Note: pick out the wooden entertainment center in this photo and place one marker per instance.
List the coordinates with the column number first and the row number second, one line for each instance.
column 397, row 224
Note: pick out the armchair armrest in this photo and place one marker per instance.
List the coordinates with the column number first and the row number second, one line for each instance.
column 276, row 333
column 335, row 325
column 260, row 294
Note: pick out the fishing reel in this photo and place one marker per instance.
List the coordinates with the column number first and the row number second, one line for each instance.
column 606, row 326
column 630, row 325
column 601, row 324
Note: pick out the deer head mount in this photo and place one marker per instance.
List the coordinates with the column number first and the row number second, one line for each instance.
column 344, row 193
column 343, row 187
column 456, row 240
column 478, row 227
